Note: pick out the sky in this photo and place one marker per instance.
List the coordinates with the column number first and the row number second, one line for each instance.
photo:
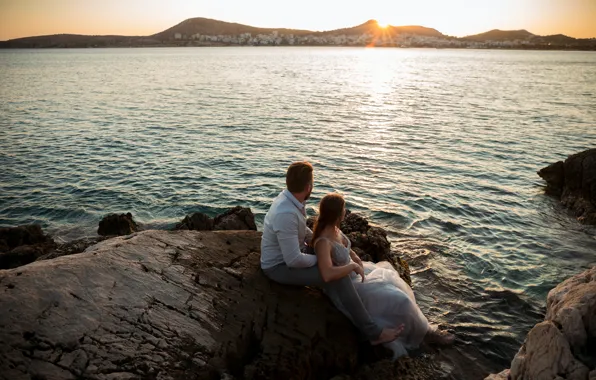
column 22, row 18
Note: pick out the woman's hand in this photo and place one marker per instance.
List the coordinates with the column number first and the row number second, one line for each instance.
column 358, row 269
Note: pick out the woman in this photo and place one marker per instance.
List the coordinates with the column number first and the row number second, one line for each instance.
column 388, row 299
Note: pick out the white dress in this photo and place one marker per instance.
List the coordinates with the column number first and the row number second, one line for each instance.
column 388, row 299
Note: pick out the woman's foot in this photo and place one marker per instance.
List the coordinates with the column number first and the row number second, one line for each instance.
column 439, row 338
column 388, row 335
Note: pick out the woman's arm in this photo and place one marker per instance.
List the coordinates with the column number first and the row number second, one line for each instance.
column 356, row 258
column 329, row 272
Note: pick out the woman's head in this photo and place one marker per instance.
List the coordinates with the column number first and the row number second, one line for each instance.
column 331, row 213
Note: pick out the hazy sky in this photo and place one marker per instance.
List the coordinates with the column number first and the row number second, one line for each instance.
column 20, row 18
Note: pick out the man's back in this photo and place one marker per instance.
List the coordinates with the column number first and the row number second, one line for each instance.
column 284, row 232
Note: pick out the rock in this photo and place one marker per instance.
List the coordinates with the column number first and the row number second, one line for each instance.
column 235, row 219
column 168, row 305
column 117, row 225
column 195, row 222
column 574, row 182
column 354, row 223
column 572, row 306
column 72, row 247
column 22, row 245
column 564, row 345
column 554, row 176
column 504, row 375
column 545, row 355
column 404, row 368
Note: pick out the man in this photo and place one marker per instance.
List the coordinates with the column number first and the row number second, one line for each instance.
column 285, row 235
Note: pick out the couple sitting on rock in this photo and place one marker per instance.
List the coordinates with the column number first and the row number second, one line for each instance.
column 372, row 296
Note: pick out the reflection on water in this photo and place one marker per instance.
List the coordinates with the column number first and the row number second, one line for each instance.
column 440, row 147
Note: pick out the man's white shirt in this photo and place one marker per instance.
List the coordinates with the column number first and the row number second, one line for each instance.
column 285, row 233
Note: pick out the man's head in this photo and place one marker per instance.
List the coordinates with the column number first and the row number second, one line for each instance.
column 299, row 179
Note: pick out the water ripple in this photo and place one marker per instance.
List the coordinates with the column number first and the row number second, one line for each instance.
column 439, row 147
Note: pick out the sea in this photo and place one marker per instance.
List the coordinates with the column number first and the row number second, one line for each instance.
column 439, row 147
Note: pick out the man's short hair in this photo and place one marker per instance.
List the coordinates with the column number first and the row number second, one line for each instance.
column 298, row 176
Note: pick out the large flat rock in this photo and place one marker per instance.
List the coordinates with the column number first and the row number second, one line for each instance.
column 167, row 305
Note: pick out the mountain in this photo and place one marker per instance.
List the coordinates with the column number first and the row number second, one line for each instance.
column 501, row 35
column 199, row 25
column 201, row 31
column 72, row 41
column 372, row 27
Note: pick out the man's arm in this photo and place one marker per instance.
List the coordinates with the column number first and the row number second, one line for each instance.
column 286, row 229
column 308, row 237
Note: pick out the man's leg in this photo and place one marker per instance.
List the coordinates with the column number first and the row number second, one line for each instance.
column 295, row 276
column 343, row 288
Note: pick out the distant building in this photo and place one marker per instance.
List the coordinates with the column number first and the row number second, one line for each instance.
column 177, row 36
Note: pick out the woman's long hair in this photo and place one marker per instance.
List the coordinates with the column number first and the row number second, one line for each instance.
column 330, row 211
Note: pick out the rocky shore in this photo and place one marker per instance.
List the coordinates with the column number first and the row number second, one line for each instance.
column 180, row 304
column 192, row 303
column 563, row 346
column 573, row 181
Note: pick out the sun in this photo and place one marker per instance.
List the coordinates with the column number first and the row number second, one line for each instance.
column 382, row 24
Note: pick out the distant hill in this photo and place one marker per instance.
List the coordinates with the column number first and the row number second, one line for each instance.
column 199, row 25
column 207, row 26
column 501, row 35
column 75, row 41
column 372, row 27
column 208, row 32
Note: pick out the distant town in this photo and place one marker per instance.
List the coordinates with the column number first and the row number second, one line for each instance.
column 404, row 40
column 208, row 32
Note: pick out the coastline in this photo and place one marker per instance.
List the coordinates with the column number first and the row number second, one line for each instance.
column 574, row 49
column 224, row 316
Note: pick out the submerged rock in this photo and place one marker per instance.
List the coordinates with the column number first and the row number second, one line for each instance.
column 23, row 245
column 167, row 305
column 574, row 183
column 564, row 345
column 118, row 225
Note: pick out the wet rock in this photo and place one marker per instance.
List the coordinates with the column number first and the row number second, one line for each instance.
column 168, row 305
column 574, row 183
column 235, row 219
column 114, row 224
column 563, row 346
column 354, row 223
column 196, row 222
column 23, row 245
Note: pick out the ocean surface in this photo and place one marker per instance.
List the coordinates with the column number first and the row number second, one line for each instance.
column 439, row 147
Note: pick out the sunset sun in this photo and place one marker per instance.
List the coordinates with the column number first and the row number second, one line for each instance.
column 382, row 23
